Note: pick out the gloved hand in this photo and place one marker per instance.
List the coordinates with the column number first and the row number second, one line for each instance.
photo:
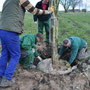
column 51, row 9
column 35, row 22
column 39, row 58
column 33, row 50
column 68, row 65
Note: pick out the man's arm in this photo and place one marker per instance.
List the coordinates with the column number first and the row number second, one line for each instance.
column 34, row 47
column 30, row 8
column 35, row 16
column 74, row 52
column 62, row 49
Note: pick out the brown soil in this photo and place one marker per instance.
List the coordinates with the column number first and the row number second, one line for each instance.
column 37, row 80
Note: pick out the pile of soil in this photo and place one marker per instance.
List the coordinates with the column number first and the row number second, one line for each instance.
column 37, row 80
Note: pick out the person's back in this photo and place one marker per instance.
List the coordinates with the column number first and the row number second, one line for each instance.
column 77, row 42
column 27, row 41
column 12, row 17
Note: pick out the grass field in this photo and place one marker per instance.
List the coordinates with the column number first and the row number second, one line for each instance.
column 70, row 24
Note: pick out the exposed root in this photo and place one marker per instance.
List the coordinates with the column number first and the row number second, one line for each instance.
column 46, row 66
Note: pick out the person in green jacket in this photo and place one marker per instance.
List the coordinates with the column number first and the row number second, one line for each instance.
column 28, row 45
column 75, row 44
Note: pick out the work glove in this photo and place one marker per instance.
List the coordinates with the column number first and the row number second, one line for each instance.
column 39, row 58
column 68, row 65
column 35, row 22
column 51, row 9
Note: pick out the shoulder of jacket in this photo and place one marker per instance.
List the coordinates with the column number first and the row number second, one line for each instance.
column 39, row 2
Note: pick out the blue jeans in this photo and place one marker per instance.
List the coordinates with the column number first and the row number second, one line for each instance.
column 10, row 51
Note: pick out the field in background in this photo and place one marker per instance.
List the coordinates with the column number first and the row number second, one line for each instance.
column 70, row 24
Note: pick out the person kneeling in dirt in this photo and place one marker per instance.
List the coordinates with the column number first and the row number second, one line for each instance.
column 77, row 48
column 28, row 49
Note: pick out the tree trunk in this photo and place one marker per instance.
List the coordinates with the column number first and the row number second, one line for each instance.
column 65, row 10
column 54, row 30
column 57, row 6
column 73, row 9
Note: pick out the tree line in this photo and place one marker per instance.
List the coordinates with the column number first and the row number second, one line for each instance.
column 70, row 3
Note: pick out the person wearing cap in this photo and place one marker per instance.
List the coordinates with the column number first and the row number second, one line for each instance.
column 43, row 20
column 11, row 25
column 75, row 44
column 28, row 44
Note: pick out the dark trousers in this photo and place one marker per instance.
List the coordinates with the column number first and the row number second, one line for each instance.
column 41, row 24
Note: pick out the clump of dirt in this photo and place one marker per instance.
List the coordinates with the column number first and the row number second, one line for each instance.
column 45, row 50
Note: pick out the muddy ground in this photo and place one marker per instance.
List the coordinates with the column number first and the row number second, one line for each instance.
column 37, row 80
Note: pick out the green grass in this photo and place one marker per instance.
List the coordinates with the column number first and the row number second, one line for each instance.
column 74, row 24
column 70, row 24
column 29, row 26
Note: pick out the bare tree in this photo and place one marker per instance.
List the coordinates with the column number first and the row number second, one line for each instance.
column 74, row 3
column 66, row 4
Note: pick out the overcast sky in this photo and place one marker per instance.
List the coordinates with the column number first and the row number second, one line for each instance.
column 87, row 2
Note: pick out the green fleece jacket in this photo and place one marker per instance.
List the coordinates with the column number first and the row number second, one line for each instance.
column 28, row 42
column 76, row 45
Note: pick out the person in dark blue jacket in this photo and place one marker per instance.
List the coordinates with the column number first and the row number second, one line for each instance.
column 75, row 44
column 43, row 20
